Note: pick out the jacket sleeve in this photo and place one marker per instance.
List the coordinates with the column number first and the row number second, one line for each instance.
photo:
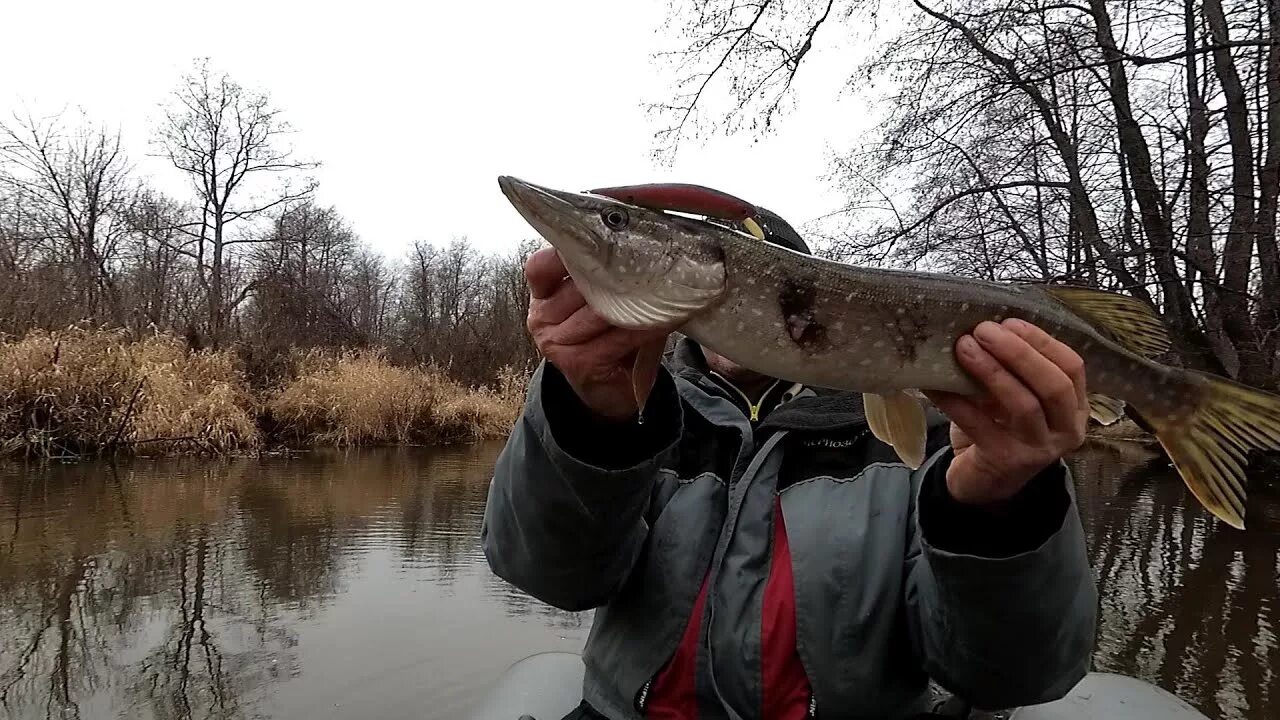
column 565, row 516
column 1002, row 609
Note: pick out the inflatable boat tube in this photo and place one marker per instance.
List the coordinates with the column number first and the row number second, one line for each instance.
column 546, row 686
column 1106, row 696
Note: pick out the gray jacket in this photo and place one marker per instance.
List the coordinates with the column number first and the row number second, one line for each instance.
column 895, row 583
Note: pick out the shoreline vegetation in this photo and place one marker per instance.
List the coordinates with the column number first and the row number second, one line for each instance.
column 82, row 393
column 85, row 393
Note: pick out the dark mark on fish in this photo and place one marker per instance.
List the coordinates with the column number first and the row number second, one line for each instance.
column 797, row 300
column 909, row 329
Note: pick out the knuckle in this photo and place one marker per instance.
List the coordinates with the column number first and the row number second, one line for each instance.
column 1062, row 390
column 983, row 365
column 1024, row 407
column 1073, row 365
column 535, row 319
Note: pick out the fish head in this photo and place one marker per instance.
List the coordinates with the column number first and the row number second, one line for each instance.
column 638, row 267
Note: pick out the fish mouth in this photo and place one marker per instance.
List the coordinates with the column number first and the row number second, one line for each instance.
column 551, row 211
column 543, row 203
column 555, row 214
column 526, row 195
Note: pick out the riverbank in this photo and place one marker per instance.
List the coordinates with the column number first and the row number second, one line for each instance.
column 80, row 392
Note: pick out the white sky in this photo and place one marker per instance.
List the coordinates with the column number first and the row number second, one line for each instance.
column 415, row 109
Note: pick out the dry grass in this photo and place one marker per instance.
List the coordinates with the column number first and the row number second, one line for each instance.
column 361, row 399
column 81, row 391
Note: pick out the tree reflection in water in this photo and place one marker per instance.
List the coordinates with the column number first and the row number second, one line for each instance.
column 1187, row 602
column 185, row 589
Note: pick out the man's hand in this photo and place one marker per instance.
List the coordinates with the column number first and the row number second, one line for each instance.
column 1034, row 410
column 595, row 357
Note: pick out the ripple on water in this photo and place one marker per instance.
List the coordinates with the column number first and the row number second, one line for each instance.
column 1185, row 601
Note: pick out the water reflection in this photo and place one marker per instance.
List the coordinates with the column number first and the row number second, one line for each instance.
column 328, row 584
column 1187, row 603
column 352, row 585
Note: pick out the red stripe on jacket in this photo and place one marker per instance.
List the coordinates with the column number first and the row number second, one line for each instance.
column 673, row 694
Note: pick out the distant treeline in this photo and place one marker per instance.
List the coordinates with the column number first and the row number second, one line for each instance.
column 248, row 261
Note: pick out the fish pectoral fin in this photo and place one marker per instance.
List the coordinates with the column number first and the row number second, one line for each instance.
column 644, row 371
column 1106, row 410
column 897, row 419
column 664, row 304
column 1127, row 320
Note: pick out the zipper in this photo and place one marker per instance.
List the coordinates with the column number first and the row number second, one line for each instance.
column 644, row 696
column 754, row 407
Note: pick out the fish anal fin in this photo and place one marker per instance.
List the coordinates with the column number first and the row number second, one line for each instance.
column 897, row 419
column 1126, row 320
column 1106, row 410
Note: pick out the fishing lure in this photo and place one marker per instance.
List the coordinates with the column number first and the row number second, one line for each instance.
column 688, row 198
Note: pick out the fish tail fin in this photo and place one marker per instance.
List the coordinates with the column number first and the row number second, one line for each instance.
column 1210, row 445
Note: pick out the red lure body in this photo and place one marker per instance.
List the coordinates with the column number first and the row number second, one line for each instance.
column 682, row 197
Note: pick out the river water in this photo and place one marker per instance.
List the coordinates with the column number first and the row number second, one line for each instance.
column 351, row 585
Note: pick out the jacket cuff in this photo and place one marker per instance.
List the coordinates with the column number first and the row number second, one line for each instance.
column 611, row 446
column 1026, row 523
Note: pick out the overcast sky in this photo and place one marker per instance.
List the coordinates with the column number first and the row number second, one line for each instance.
column 415, row 108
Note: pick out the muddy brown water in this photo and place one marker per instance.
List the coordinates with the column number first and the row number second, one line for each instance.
column 352, row 585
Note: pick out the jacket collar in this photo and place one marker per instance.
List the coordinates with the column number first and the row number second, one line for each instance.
column 807, row 408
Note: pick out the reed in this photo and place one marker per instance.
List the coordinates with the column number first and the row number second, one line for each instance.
column 80, row 391
column 356, row 399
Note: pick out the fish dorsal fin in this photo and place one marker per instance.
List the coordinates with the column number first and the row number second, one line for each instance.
column 897, row 419
column 1127, row 320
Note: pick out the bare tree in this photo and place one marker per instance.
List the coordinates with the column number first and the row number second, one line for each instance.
column 74, row 188
column 250, row 261
column 157, row 279
column 1036, row 140
column 227, row 139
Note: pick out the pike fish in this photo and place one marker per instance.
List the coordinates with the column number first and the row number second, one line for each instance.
column 888, row 333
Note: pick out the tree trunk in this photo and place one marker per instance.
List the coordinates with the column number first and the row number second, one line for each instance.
column 1269, row 191
column 1237, row 256
column 1200, row 254
column 1151, row 205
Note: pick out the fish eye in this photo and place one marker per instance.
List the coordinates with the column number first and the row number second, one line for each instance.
column 614, row 218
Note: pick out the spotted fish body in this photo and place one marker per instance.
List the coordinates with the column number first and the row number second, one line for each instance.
column 887, row 333
column 839, row 326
